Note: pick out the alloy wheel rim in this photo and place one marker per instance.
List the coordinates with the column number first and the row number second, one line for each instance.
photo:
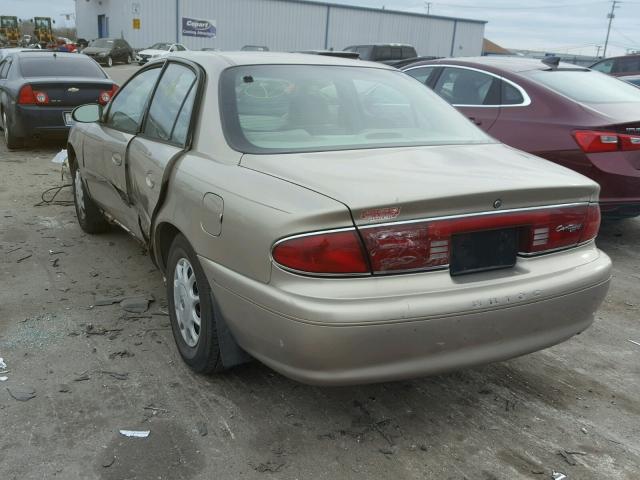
column 78, row 193
column 186, row 302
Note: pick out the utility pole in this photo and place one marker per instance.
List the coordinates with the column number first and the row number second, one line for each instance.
column 427, row 5
column 611, row 15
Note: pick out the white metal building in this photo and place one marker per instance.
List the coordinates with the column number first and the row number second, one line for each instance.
column 282, row 25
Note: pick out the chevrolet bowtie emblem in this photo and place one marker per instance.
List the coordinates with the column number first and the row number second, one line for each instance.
column 73, row 90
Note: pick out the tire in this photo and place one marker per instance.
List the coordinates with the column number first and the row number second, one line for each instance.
column 90, row 217
column 9, row 138
column 186, row 281
column 109, row 62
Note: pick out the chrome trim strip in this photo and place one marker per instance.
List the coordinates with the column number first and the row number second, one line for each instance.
column 477, row 214
column 555, row 250
column 525, row 95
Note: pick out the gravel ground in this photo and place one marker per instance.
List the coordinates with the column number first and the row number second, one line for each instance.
column 94, row 370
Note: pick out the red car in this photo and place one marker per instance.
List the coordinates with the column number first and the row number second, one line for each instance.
column 579, row 118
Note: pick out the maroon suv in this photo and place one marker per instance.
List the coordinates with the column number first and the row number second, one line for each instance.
column 579, row 118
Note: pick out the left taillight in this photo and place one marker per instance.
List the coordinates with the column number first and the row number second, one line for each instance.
column 29, row 96
column 323, row 253
column 106, row 95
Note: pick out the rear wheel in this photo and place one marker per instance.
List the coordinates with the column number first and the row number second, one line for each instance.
column 90, row 217
column 10, row 139
column 191, row 309
column 109, row 62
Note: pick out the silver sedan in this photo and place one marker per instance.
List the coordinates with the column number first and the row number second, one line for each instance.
column 335, row 219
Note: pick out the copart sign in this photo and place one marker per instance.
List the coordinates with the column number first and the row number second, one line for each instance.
column 192, row 27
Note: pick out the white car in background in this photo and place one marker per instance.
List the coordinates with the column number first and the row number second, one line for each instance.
column 158, row 50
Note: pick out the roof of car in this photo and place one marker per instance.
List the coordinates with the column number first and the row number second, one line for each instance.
column 272, row 58
column 507, row 63
column 631, row 55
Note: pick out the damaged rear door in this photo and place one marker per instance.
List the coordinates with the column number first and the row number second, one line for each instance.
column 107, row 143
column 164, row 136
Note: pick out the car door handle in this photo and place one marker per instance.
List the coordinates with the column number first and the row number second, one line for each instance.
column 475, row 120
column 116, row 158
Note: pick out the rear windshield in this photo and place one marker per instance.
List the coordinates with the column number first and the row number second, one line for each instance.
column 297, row 108
column 80, row 66
column 587, row 86
column 102, row 43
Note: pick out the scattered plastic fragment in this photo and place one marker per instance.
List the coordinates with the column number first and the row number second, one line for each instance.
column 2, row 364
column 108, row 462
column 4, row 379
column 202, row 429
column 135, row 304
column 634, row 342
column 558, row 476
column 22, row 394
column 60, row 157
column 135, row 433
column 583, row 430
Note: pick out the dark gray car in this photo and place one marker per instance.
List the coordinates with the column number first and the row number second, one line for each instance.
column 107, row 51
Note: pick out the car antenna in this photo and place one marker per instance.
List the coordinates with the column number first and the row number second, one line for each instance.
column 552, row 60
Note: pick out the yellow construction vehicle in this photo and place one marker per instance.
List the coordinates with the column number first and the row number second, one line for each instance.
column 9, row 31
column 42, row 32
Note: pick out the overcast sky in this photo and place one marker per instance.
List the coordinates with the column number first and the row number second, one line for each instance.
column 571, row 26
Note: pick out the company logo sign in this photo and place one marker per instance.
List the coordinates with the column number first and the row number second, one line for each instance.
column 192, row 27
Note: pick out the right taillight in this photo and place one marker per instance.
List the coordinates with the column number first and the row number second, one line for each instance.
column 421, row 245
column 592, row 141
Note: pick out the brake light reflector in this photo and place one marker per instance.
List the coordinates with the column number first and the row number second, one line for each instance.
column 41, row 98
column 591, row 141
column 107, row 95
column 338, row 252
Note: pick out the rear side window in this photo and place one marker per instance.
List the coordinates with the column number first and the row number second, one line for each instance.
column 169, row 101
column 511, row 95
column 383, row 53
column 421, row 74
column 604, row 67
column 396, row 53
column 408, row 52
column 587, row 86
column 460, row 86
column 4, row 68
column 50, row 66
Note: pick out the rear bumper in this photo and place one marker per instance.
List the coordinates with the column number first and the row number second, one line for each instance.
column 35, row 121
column 363, row 338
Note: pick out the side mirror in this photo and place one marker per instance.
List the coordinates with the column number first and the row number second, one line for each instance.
column 92, row 112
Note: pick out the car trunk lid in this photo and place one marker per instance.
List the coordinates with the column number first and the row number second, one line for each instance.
column 395, row 184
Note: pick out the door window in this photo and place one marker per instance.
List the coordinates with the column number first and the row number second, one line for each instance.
column 127, row 109
column 460, row 86
column 627, row 65
column 170, row 110
column 421, row 74
column 180, row 48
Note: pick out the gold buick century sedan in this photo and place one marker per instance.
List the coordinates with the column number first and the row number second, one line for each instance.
column 334, row 219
